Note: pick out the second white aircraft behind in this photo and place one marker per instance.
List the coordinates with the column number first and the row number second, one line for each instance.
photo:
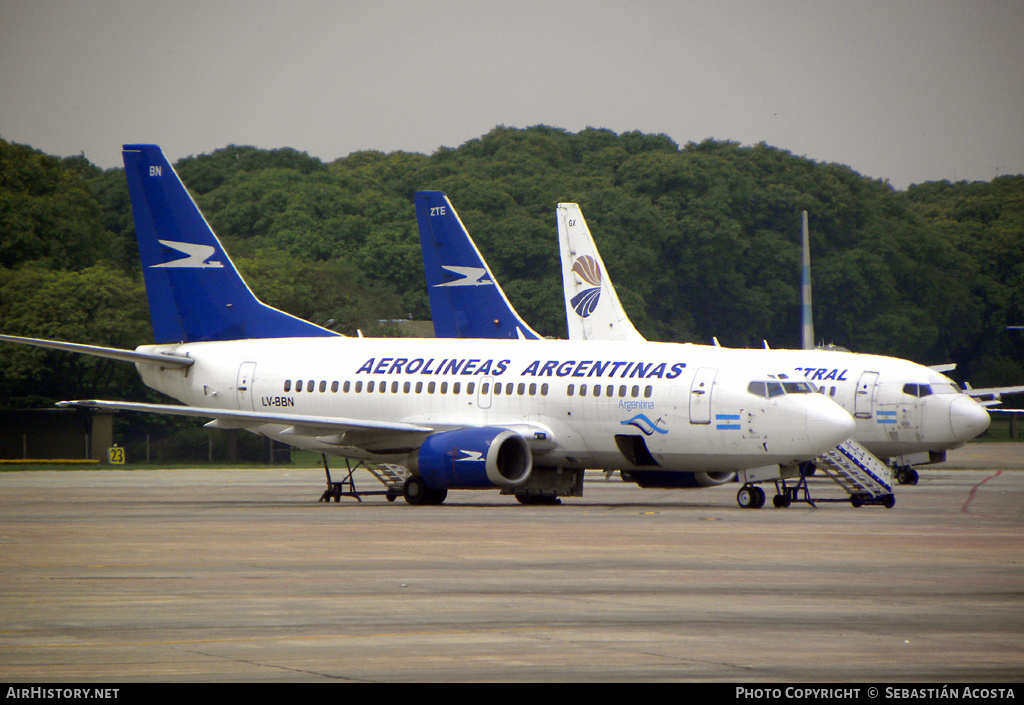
column 905, row 413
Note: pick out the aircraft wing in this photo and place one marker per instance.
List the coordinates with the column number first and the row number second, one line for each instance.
column 299, row 424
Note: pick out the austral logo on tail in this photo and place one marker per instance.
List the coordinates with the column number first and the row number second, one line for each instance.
column 587, row 269
column 197, row 255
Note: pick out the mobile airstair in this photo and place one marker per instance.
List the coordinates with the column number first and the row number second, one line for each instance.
column 393, row 478
column 865, row 478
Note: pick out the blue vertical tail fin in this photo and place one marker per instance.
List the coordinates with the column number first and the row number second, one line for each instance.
column 465, row 299
column 195, row 293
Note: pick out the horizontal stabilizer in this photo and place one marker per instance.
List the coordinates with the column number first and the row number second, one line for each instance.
column 112, row 353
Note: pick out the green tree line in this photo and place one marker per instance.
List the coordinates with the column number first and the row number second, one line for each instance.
column 701, row 240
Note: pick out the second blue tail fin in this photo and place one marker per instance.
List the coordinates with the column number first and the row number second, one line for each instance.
column 465, row 300
column 195, row 293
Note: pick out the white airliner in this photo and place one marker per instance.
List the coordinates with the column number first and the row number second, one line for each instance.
column 906, row 413
column 523, row 416
column 450, row 257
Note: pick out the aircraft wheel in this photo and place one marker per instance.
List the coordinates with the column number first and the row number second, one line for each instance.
column 415, row 491
column 912, row 476
column 759, row 497
column 781, row 501
column 745, row 497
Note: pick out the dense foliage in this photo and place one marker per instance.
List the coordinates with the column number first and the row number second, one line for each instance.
column 701, row 240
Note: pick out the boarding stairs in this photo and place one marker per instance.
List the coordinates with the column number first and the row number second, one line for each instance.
column 393, row 478
column 865, row 478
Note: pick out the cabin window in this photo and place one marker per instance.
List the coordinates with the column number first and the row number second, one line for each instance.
column 444, row 387
column 287, row 385
column 298, row 385
column 485, row 388
column 544, row 389
column 648, row 390
column 634, row 392
column 430, row 387
column 569, row 391
column 533, row 389
column 456, row 387
column 406, row 388
column 359, row 387
column 622, row 390
column 323, row 386
column 583, row 390
column 334, row 386
column 497, row 388
column 419, row 387
column 470, row 387
column 346, row 387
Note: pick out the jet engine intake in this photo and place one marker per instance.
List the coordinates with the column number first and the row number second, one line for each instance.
column 473, row 458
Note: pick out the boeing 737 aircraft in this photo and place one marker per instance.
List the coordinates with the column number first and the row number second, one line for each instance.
column 448, row 249
column 906, row 413
column 523, row 416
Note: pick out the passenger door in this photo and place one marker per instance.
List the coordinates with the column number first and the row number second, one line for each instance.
column 700, row 395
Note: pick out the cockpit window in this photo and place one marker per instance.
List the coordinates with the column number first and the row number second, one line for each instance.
column 769, row 390
column 920, row 390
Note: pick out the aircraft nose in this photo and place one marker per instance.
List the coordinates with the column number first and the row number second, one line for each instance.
column 828, row 424
column 968, row 418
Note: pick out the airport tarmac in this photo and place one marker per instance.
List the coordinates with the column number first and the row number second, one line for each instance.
column 243, row 576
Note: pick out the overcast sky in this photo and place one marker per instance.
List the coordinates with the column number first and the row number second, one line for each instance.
column 904, row 90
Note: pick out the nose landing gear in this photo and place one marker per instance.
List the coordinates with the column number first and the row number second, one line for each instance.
column 750, row 497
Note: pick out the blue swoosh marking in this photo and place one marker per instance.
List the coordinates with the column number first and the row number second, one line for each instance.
column 646, row 426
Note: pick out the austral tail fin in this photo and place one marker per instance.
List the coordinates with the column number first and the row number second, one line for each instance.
column 195, row 293
column 592, row 308
column 465, row 299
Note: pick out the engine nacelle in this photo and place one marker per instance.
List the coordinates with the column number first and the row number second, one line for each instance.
column 668, row 479
column 472, row 458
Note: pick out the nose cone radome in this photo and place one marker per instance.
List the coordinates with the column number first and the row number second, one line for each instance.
column 968, row 418
column 828, row 424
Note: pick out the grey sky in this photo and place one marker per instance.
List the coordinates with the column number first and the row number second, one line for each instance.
column 903, row 90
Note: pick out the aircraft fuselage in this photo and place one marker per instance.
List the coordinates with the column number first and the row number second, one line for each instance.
column 578, row 404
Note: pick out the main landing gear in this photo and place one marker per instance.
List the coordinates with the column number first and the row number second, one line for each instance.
column 417, row 493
